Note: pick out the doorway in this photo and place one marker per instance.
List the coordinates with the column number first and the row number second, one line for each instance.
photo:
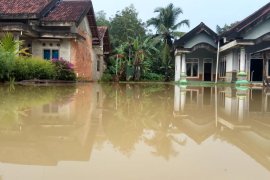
column 207, row 72
column 256, row 70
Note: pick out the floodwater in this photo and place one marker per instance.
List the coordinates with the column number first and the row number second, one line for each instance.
column 134, row 132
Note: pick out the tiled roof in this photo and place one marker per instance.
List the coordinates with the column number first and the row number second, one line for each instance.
column 68, row 11
column 17, row 7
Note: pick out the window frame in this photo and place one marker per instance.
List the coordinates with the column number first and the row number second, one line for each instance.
column 44, row 54
column 55, row 50
column 223, row 72
column 192, row 62
column 51, row 53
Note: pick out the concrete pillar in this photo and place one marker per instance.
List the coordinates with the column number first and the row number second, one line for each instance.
column 177, row 67
column 184, row 70
column 184, row 66
column 243, row 60
column 242, row 75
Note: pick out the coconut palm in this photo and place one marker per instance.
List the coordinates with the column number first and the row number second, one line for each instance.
column 167, row 26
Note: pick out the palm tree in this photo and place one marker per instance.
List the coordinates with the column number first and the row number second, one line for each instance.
column 166, row 26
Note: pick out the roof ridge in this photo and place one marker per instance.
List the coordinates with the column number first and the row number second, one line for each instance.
column 235, row 27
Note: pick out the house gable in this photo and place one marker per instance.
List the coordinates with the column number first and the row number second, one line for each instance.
column 200, row 39
column 248, row 24
column 258, row 31
column 199, row 35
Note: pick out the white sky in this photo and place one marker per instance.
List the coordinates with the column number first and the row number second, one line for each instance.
column 211, row 12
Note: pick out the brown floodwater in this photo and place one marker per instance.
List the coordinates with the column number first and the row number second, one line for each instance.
column 134, row 132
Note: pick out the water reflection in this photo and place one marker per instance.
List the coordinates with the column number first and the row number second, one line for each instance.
column 145, row 124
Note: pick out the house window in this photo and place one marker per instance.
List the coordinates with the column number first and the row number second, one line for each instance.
column 222, row 67
column 47, row 54
column 192, row 67
column 50, row 54
column 55, row 54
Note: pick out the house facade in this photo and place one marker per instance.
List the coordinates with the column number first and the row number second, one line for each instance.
column 243, row 52
column 196, row 54
column 54, row 29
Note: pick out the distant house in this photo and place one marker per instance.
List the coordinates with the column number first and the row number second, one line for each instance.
column 240, row 51
column 198, row 51
column 54, row 29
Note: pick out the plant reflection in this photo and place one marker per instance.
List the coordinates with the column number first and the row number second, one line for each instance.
column 68, row 122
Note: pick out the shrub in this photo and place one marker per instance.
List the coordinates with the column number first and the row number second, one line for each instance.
column 153, row 77
column 33, row 68
column 6, row 65
column 64, row 70
column 106, row 77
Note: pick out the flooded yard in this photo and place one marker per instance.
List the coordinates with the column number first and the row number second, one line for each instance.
column 134, row 132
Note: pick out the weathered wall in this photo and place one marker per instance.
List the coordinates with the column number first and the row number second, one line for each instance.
column 62, row 45
column 231, row 65
column 81, row 53
column 98, row 57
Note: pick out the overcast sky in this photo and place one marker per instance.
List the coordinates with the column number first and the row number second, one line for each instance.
column 211, row 12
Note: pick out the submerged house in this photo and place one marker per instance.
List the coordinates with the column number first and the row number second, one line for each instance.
column 54, row 29
column 239, row 52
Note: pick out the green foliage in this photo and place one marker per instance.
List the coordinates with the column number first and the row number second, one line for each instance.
column 6, row 65
column 166, row 25
column 153, row 77
column 18, row 68
column 11, row 46
column 106, row 77
column 33, row 68
column 226, row 27
column 102, row 19
column 64, row 70
column 126, row 25
column 137, row 56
